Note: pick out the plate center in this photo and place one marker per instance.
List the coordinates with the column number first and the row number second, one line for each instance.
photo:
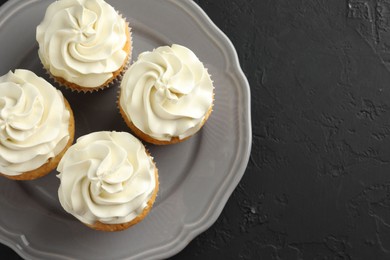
column 98, row 111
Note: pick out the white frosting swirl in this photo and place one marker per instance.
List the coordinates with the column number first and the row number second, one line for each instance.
column 106, row 177
column 82, row 41
column 167, row 93
column 34, row 122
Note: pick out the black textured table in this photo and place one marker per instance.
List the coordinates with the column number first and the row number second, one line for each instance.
column 318, row 182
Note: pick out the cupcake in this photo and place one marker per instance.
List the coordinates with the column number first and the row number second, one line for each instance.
column 36, row 126
column 166, row 96
column 84, row 45
column 108, row 180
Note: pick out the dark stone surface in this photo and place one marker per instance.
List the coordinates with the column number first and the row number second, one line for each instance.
column 318, row 182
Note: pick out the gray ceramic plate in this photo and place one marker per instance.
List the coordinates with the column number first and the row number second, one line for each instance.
column 197, row 176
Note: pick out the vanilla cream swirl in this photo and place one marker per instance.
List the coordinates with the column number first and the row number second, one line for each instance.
column 167, row 93
column 106, row 177
column 34, row 122
column 82, row 41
